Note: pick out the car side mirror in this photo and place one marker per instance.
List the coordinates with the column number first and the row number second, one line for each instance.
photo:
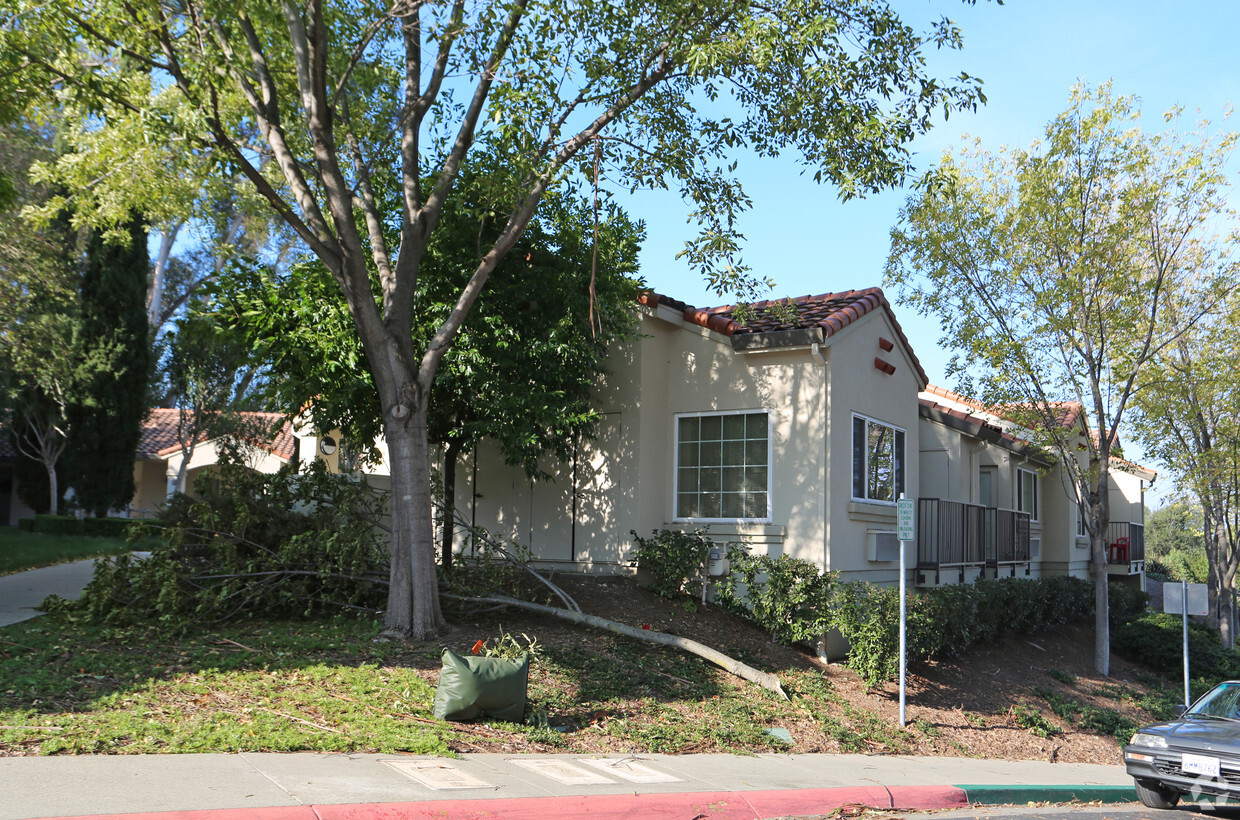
column 1178, row 710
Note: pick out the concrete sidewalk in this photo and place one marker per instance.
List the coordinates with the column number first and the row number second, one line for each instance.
column 308, row 786
column 21, row 592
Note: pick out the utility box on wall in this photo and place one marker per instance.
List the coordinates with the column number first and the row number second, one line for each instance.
column 882, row 545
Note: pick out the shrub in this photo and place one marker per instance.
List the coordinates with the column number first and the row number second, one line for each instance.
column 1156, row 640
column 672, row 557
column 946, row 621
column 106, row 527
column 58, row 525
column 26, row 525
column 282, row 544
column 788, row 597
column 1125, row 603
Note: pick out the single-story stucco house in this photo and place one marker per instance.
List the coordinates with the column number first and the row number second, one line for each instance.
column 797, row 434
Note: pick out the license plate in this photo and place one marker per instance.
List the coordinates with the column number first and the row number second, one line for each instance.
column 1199, row 764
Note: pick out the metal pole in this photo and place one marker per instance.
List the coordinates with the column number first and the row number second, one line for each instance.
column 903, row 627
column 1184, row 592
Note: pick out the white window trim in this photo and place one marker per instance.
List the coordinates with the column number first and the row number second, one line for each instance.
column 1033, row 514
column 852, row 449
column 676, row 417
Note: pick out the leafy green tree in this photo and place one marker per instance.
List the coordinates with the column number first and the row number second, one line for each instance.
column 1049, row 268
column 112, row 368
column 519, row 373
column 1177, row 526
column 207, row 373
column 1188, row 417
column 38, row 292
column 318, row 104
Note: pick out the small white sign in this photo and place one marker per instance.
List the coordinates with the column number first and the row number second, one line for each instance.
column 1200, row 764
column 906, row 519
column 1198, row 599
column 563, row 772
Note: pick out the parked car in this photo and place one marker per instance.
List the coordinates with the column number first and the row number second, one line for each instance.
column 1197, row 753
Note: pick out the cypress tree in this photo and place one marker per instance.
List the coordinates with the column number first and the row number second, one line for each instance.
column 113, row 346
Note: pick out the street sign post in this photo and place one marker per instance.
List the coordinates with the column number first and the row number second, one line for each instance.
column 906, row 531
column 1186, row 599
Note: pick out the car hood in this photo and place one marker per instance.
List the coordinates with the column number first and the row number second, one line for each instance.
column 1206, row 735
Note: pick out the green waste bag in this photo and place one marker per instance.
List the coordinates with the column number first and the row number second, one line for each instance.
column 473, row 686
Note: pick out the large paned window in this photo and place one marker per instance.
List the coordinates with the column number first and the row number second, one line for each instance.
column 878, row 460
column 723, row 466
column 1027, row 493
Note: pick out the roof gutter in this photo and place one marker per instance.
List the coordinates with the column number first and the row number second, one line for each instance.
column 978, row 430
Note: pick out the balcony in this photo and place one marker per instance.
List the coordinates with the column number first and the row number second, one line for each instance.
column 958, row 542
column 1125, row 548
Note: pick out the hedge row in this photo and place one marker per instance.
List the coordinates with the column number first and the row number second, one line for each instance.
column 793, row 601
column 72, row 525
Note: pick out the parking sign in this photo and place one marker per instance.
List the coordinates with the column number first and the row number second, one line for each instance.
column 906, row 519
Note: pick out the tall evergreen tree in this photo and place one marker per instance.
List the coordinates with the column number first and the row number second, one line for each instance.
column 110, row 390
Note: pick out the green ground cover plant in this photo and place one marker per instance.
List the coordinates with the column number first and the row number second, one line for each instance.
column 263, row 686
column 21, row 550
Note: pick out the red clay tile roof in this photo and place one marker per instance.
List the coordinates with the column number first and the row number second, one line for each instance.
column 830, row 311
column 1067, row 413
column 984, row 427
column 159, row 434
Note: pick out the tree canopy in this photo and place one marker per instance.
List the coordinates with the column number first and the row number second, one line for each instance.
column 322, row 105
column 1050, row 267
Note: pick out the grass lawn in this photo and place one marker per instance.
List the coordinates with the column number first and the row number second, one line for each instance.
column 320, row 685
column 326, row 685
column 21, row 550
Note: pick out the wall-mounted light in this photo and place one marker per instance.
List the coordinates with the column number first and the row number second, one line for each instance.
column 327, row 445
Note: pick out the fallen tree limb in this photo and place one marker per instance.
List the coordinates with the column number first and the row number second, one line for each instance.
column 479, row 534
column 763, row 679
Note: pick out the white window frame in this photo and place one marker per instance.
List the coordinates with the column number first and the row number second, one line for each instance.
column 900, row 475
column 676, row 419
column 1021, row 474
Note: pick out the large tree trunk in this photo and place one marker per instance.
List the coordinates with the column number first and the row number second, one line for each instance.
column 413, row 594
column 1101, row 508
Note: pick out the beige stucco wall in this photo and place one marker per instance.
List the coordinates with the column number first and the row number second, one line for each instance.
column 626, row 478
column 857, row 386
column 150, row 480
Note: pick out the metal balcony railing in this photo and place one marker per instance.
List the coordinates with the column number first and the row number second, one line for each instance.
column 956, row 536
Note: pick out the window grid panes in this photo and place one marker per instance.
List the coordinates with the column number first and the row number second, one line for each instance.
column 878, row 460
column 721, row 466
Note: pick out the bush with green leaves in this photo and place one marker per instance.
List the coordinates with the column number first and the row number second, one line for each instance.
column 946, row 621
column 673, row 558
column 1156, row 640
column 788, row 597
column 1125, row 603
column 250, row 544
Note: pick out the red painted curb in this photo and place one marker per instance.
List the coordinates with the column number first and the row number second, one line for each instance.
column 754, row 805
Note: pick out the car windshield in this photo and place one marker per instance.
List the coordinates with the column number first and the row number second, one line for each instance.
column 1223, row 701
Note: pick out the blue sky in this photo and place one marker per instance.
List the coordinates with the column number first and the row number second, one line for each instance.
column 1029, row 54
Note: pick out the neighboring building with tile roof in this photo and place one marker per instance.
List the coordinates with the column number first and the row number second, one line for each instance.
column 271, row 443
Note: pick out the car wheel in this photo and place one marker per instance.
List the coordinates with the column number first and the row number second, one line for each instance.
column 1153, row 794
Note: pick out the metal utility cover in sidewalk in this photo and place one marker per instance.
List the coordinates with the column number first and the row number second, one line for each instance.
column 564, row 772
column 436, row 775
column 631, row 770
